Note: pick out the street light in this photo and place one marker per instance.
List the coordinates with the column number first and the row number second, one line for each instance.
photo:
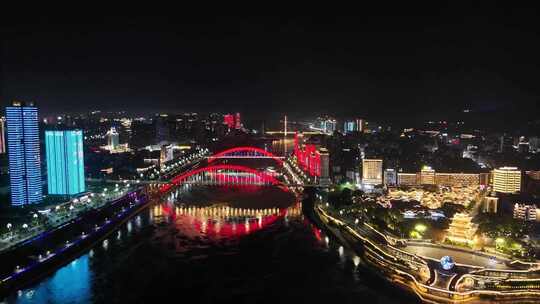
column 9, row 229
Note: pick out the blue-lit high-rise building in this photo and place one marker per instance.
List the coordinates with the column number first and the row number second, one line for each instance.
column 23, row 151
column 65, row 162
column 349, row 127
column 355, row 125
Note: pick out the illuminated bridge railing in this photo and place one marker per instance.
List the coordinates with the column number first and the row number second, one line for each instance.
column 245, row 152
column 226, row 211
column 226, row 178
column 224, row 175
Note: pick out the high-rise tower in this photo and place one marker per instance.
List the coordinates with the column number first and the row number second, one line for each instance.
column 24, row 154
column 65, row 162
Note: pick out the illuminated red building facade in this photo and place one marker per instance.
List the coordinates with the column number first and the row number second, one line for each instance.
column 232, row 121
column 238, row 122
column 307, row 155
column 228, row 119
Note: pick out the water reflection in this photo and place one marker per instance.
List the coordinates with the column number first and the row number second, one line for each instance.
column 282, row 146
column 70, row 284
column 216, row 222
column 207, row 241
column 198, row 216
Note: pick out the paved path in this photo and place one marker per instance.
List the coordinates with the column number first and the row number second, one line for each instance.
column 460, row 257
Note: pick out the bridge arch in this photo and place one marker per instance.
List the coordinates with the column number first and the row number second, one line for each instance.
column 247, row 150
column 216, row 169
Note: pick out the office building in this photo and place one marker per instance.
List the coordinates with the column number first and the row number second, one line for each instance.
column 325, row 124
column 142, row 134
column 390, row 177
column 324, row 177
column 372, row 171
column 506, row 144
column 166, row 154
column 360, row 125
column 329, row 126
column 65, row 162
column 233, row 121
column 524, row 147
column 350, row 126
column 427, row 176
column 113, row 139
column 228, row 119
column 507, row 180
column 163, row 128
column 24, row 154
column 525, row 212
column 534, row 143
column 491, row 204
column 238, row 122
column 407, row 179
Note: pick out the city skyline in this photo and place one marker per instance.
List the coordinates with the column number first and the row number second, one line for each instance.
column 286, row 65
column 387, row 157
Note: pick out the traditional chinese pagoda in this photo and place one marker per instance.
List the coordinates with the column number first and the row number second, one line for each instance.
column 461, row 229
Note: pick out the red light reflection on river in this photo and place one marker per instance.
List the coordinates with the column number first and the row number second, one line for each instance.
column 220, row 222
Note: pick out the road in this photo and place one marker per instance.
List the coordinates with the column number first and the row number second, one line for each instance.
column 63, row 213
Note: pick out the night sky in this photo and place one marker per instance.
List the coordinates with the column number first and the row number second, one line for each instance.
column 426, row 64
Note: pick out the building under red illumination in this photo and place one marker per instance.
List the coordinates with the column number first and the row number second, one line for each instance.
column 232, row 121
column 228, row 119
column 308, row 157
column 238, row 122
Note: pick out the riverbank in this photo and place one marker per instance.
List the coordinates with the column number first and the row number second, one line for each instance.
column 420, row 277
column 55, row 248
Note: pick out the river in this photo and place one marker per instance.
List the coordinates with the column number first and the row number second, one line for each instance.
column 208, row 245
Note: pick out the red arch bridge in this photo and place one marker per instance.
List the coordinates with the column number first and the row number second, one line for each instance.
column 223, row 175
column 245, row 152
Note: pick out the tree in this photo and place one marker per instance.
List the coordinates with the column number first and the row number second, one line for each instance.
column 346, row 196
column 449, row 209
column 334, row 199
column 358, row 193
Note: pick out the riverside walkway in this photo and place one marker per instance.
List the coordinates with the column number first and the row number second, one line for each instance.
column 475, row 278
